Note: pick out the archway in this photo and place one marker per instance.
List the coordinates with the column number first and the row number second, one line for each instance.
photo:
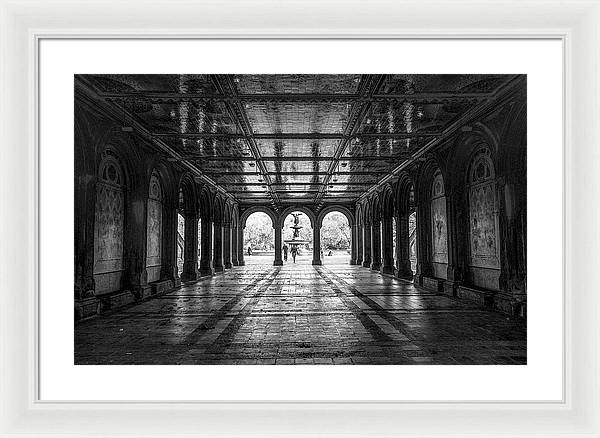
column 303, row 250
column 259, row 239
column 336, row 238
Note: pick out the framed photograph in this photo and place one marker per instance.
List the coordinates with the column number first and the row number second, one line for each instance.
column 300, row 219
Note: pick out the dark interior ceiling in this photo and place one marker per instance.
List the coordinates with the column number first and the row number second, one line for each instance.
column 294, row 139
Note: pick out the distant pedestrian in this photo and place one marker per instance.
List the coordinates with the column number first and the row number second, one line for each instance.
column 294, row 253
column 285, row 251
column 249, row 251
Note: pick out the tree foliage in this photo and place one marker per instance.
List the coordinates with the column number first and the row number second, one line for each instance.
column 335, row 232
column 259, row 233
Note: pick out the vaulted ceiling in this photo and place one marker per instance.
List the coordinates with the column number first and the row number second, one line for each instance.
column 294, row 139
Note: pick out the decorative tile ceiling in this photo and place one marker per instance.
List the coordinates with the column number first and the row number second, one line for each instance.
column 293, row 139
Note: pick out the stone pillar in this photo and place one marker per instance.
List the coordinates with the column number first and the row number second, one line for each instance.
column 403, row 248
column 134, row 243
column 387, row 243
column 278, row 260
column 317, row 245
column 169, row 246
column 453, row 271
column 367, row 245
column 353, row 240
column 218, row 249
column 234, row 245
column 359, row 244
column 206, row 257
column 376, row 246
column 227, row 246
column 423, row 244
column 190, row 248
column 240, row 246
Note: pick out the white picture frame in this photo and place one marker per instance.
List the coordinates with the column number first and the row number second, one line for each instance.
column 24, row 24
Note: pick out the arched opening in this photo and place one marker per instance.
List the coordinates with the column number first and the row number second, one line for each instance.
column 412, row 229
column 180, row 234
column 259, row 240
column 439, row 228
column 154, row 224
column 297, row 238
column 109, row 226
column 335, row 239
column 484, row 251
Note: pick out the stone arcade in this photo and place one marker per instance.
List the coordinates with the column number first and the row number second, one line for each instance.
column 425, row 167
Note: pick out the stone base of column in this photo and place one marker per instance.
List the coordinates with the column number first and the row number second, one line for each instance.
column 405, row 275
column 189, row 276
column 228, row 265
column 278, row 263
column 219, row 269
column 317, row 262
column 241, row 263
column 390, row 270
column 359, row 262
column 206, row 272
column 352, row 262
column 375, row 266
column 177, row 282
column 235, row 263
column 366, row 264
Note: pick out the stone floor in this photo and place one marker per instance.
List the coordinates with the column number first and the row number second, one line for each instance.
column 300, row 314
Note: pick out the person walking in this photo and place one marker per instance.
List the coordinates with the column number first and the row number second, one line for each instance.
column 285, row 252
column 249, row 250
column 294, row 253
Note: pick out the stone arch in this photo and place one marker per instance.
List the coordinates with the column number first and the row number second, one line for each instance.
column 247, row 212
column 205, row 204
column 110, row 222
column 218, row 210
column 187, row 198
column 388, row 204
column 335, row 208
column 307, row 211
column 405, row 194
column 375, row 208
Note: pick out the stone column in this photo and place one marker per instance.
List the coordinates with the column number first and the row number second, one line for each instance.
column 353, row 239
column 359, row 244
column 234, row 245
column 218, row 249
column 403, row 248
column 367, row 245
column 190, row 248
column 227, row 246
column 206, row 258
column 387, row 242
column 169, row 246
column 240, row 246
column 423, row 244
column 316, row 245
column 278, row 260
column 376, row 246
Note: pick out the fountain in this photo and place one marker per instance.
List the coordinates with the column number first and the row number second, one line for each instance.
column 295, row 241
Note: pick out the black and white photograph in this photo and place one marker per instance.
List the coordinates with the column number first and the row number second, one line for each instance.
column 300, row 219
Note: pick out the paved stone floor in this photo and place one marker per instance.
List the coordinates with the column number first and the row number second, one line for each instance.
column 300, row 314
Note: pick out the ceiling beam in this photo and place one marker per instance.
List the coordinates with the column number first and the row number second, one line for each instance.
column 368, row 87
column 309, row 159
column 224, row 85
column 422, row 98
column 296, row 136
column 222, row 174
column 114, row 112
column 469, row 116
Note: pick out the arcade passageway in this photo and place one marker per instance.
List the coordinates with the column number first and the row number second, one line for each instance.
column 409, row 192
column 301, row 314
